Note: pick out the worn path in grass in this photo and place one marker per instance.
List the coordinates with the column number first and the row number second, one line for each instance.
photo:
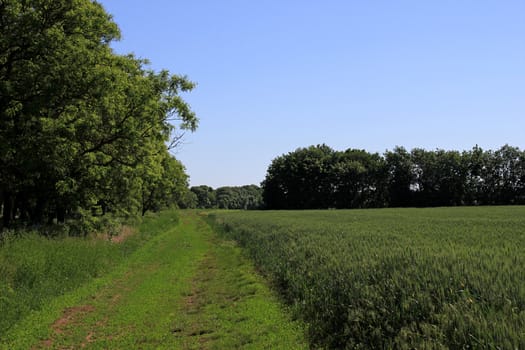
column 185, row 289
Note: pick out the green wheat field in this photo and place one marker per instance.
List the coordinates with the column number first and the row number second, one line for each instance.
column 395, row 278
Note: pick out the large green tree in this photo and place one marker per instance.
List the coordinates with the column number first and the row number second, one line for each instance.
column 359, row 178
column 439, row 177
column 79, row 123
column 401, row 177
column 300, row 179
column 239, row 197
column 319, row 177
column 206, row 197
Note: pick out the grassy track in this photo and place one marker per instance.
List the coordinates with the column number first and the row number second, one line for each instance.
column 184, row 289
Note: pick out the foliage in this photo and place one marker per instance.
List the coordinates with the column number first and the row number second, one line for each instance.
column 318, row 177
column 240, row 197
column 206, row 197
column 80, row 126
column 163, row 186
column 237, row 197
column 442, row 278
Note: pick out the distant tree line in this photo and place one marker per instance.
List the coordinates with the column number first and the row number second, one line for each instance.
column 236, row 197
column 320, row 177
column 83, row 131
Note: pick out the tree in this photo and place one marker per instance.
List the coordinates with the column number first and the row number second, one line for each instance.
column 509, row 172
column 243, row 197
column 46, row 49
column 251, row 197
column 188, row 200
column 162, row 184
column 400, row 177
column 78, row 123
column 300, row 179
column 319, row 177
column 359, row 179
column 475, row 163
column 440, row 177
column 206, row 197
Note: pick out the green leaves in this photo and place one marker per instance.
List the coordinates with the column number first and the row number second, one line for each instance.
column 319, row 177
column 77, row 120
column 227, row 197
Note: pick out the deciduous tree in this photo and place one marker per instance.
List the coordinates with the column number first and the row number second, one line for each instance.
column 79, row 124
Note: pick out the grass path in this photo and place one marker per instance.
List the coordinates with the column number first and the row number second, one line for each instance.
column 185, row 289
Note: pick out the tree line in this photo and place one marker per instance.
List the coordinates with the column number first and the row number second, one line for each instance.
column 228, row 197
column 83, row 131
column 320, row 177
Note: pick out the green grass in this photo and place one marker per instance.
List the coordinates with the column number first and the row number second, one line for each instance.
column 183, row 289
column 229, row 306
column 35, row 270
column 395, row 278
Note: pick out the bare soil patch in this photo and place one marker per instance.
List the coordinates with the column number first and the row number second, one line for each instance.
column 71, row 315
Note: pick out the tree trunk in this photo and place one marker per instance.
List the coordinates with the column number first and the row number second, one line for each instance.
column 7, row 213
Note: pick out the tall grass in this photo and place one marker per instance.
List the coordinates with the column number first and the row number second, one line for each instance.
column 34, row 269
column 396, row 278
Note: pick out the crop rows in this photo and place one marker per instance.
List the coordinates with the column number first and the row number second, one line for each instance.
column 395, row 278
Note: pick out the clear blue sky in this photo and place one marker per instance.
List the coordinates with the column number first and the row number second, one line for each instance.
column 275, row 75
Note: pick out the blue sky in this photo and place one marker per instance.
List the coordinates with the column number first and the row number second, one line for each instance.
column 275, row 75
